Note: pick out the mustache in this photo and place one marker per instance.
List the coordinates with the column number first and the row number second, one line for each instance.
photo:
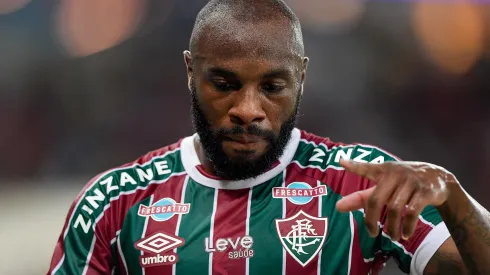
column 250, row 130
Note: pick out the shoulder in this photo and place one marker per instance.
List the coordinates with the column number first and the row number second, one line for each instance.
column 319, row 157
column 153, row 166
column 125, row 185
column 311, row 145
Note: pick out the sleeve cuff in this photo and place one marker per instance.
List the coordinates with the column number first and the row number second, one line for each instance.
column 431, row 243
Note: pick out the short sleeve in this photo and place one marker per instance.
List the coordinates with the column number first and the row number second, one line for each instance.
column 413, row 255
column 82, row 247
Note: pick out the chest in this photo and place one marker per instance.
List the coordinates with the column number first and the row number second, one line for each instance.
column 276, row 228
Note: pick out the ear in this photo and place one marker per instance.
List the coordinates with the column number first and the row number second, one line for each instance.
column 303, row 71
column 188, row 64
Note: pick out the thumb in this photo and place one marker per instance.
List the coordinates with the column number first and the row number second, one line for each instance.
column 355, row 200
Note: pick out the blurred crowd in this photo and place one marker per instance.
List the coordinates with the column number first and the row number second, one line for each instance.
column 88, row 85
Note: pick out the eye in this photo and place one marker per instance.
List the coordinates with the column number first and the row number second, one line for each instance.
column 225, row 86
column 273, row 88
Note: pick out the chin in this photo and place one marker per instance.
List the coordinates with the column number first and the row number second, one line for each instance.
column 242, row 155
column 234, row 164
column 248, row 151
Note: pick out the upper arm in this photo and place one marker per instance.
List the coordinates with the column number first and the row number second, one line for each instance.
column 446, row 260
column 83, row 246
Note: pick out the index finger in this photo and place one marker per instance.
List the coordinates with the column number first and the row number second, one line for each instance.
column 366, row 170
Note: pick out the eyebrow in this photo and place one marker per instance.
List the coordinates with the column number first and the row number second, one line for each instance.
column 221, row 71
column 276, row 73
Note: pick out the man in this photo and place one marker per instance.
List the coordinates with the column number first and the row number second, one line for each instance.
column 251, row 194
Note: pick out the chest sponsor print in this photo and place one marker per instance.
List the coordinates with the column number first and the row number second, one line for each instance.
column 302, row 236
column 159, row 246
column 299, row 192
column 235, row 248
column 164, row 209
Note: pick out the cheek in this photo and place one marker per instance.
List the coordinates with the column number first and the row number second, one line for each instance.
column 280, row 111
column 212, row 104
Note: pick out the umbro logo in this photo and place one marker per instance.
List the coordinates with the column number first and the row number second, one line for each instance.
column 162, row 244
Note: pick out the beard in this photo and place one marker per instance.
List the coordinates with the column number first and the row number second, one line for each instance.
column 240, row 168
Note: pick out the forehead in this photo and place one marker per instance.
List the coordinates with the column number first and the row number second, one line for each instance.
column 259, row 46
column 252, row 69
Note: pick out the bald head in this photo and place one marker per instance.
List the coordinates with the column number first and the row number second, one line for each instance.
column 246, row 68
column 255, row 27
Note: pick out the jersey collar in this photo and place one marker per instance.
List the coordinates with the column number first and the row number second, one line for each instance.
column 191, row 163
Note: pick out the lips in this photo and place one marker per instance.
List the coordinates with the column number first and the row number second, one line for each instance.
column 245, row 139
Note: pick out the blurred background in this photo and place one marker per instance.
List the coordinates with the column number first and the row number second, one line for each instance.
column 86, row 85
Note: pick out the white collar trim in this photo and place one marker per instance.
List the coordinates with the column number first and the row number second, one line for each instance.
column 191, row 161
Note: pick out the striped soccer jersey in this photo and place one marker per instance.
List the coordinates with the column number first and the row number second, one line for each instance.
column 162, row 214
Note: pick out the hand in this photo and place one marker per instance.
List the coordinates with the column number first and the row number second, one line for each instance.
column 404, row 187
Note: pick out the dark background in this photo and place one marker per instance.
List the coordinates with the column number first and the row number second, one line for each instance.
column 88, row 85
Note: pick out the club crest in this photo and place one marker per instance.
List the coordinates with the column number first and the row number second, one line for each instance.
column 302, row 236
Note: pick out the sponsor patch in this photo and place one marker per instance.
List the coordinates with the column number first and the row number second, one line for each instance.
column 164, row 209
column 235, row 248
column 299, row 192
column 159, row 246
column 302, row 236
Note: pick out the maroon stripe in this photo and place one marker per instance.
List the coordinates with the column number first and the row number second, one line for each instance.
column 311, row 208
column 230, row 224
column 357, row 265
column 102, row 262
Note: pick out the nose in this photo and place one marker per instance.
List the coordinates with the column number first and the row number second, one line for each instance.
column 247, row 108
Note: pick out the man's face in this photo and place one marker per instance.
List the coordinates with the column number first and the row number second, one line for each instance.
column 244, row 105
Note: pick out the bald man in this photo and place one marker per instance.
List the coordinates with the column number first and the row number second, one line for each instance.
column 249, row 193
